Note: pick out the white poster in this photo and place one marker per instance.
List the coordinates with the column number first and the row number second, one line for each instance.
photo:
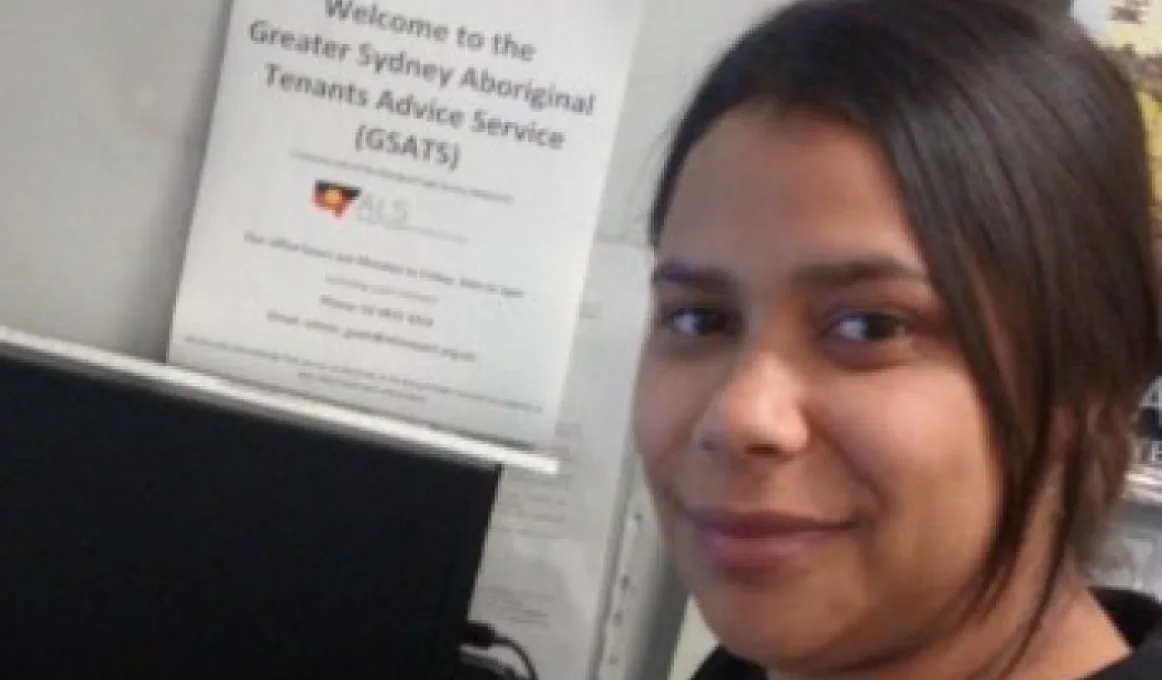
column 551, row 547
column 398, row 202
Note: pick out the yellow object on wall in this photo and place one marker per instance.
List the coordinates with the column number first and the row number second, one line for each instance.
column 1134, row 36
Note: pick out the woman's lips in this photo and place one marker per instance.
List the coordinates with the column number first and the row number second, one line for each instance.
column 741, row 541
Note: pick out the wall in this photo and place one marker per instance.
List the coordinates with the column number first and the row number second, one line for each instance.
column 105, row 111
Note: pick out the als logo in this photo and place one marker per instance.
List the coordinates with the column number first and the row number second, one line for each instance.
column 335, row 198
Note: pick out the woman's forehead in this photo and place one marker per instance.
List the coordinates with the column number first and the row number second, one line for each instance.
column 778, row 192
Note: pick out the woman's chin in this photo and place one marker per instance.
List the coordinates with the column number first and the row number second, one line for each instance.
column 796, row 640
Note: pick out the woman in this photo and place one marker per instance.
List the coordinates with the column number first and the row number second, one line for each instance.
column 904, row 310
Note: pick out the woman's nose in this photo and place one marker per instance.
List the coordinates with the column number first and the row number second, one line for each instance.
column 757, row 412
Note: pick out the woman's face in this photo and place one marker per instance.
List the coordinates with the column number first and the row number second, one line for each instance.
column 817, row 450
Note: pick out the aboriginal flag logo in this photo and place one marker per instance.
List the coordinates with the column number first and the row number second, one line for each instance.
column 335, row 198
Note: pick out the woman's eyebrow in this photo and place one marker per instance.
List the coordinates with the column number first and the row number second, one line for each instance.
column 675, row 272
column 836, row 273
column 851, row 271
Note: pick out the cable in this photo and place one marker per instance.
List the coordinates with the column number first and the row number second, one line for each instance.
column 516, row 648
column 483, row 636
column 477, row 666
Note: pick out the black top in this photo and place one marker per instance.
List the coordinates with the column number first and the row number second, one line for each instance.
column 1138, row 618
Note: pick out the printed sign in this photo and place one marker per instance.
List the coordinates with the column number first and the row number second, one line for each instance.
column 398, row 203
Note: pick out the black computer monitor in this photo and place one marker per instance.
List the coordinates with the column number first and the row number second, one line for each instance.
column 149, row 532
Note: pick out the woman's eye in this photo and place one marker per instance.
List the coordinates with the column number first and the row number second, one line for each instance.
column 696, row 321
column 868, row 327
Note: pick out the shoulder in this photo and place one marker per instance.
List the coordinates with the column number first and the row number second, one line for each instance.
column 722, row 666
column 1145, row 663
column 1137, row 616
column 1139, row 619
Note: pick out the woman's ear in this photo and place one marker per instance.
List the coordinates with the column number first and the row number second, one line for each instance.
column 1109, row 443
column 1092, row 447
column 1101, row 435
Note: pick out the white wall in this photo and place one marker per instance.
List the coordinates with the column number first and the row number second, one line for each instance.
column 1092, row 14
column 105, row 109
column 694, row 645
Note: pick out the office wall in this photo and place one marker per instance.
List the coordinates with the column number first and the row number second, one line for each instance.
column 105, row 111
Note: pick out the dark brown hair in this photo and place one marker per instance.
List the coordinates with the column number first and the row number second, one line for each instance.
column 1020, row 157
